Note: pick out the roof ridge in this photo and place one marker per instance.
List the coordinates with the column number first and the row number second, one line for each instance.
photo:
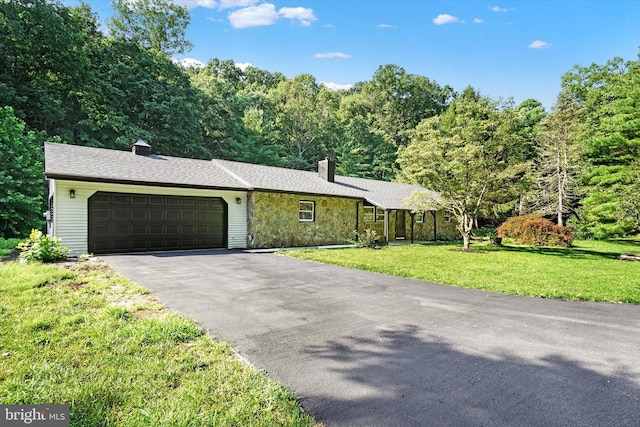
column 232, row 174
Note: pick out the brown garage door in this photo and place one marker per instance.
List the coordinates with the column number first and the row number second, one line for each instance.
column 120, row 222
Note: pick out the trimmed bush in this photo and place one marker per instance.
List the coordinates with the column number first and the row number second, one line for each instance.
column 535, row 230
column 42, row 248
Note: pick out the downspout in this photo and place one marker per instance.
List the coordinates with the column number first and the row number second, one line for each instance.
column 435, row 231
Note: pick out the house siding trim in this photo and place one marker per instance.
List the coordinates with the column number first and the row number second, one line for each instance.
column 70, row 221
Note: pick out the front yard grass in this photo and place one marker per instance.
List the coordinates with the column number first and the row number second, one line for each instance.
column 587, row 272
column 87, row 337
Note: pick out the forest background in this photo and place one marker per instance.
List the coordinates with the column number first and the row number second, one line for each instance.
column 63, row 79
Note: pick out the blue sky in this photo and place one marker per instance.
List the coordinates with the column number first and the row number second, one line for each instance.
column 504, row 49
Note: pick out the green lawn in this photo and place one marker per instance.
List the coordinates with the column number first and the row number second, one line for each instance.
column 589, row 271
column 86, row 337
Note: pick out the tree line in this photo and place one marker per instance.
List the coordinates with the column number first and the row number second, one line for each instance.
column 63, row 78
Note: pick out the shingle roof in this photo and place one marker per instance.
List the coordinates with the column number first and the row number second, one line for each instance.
column 98, row 164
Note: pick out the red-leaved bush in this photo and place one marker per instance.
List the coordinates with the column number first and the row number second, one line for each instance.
column 535, row 230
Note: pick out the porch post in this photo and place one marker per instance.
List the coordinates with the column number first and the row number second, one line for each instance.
column 386, row 226
column 435, row 231
column 412, row 215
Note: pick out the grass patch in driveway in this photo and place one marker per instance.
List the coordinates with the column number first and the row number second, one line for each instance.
column 84, row 336
column 587, row 272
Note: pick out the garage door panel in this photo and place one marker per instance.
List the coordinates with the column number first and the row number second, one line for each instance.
column 156, row 215
column 121, row 222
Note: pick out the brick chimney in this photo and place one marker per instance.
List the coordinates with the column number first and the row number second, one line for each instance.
column 141, row 148
column 327, row 169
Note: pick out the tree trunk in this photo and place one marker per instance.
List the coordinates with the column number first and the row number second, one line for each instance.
column 466, row 238
column 467, row 229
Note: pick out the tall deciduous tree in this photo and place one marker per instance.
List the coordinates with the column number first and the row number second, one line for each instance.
column 21, row 177
column 465, row 155
column 306, row 118
column 558, row 163
column 155, row 24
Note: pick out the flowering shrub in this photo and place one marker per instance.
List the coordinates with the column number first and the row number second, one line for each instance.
column 369, row 239
column 43, row 248
column 535, row 230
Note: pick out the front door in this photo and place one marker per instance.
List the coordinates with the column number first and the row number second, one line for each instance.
column 401, row 226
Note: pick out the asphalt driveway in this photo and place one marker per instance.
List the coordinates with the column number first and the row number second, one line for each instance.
column 367, row 349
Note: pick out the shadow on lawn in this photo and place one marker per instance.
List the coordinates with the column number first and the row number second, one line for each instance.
column 574, row 253
column 405, row 378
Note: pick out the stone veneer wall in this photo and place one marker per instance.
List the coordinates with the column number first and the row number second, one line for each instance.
column 273, row 220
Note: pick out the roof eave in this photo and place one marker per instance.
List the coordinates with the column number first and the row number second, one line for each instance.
column 66, row 177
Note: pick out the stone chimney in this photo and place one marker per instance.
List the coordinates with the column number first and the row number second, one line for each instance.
column 141, row 148
column 327, row 169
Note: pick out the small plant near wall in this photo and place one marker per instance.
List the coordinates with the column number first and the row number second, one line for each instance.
column 369, row 239
column 42, row 248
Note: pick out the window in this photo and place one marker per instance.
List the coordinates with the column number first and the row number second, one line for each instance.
column 420, row 217
column 307, row 211
column 369, row 213
column 379, row 215
column 447, row 216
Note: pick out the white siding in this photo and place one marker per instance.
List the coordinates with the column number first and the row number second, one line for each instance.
column 71, row 215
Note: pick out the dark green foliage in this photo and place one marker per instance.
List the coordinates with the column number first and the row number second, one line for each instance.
column 21, row 182
column 535, row 230
column 610, row 98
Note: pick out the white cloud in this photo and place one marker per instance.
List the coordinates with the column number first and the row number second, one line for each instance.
column 336, row 86
column 189, row 63
column 303, row 15
column 229, row 4
column 341, row 55
column 477, row 21
column 254, row 16
column 539, row 44
column 192, row 4
column 386, row 26
column 243, row 65
column 445, row 19
column 265, row 14
column 501, row 9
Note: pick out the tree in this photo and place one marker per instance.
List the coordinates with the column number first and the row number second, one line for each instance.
column 465, row 155
column 363, row 153
column 154, row 24
column 559, row 153
column 139, row 93
column 392, row 104
column 610, row 98
column 306, row 119
column 44, row 65
column 21, row 177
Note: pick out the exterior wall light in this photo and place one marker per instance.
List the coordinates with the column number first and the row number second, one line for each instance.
column 72, row 194
column 238, row 201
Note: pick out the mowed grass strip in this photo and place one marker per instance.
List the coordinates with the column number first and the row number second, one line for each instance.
column 587, row 272
column 86, row 337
